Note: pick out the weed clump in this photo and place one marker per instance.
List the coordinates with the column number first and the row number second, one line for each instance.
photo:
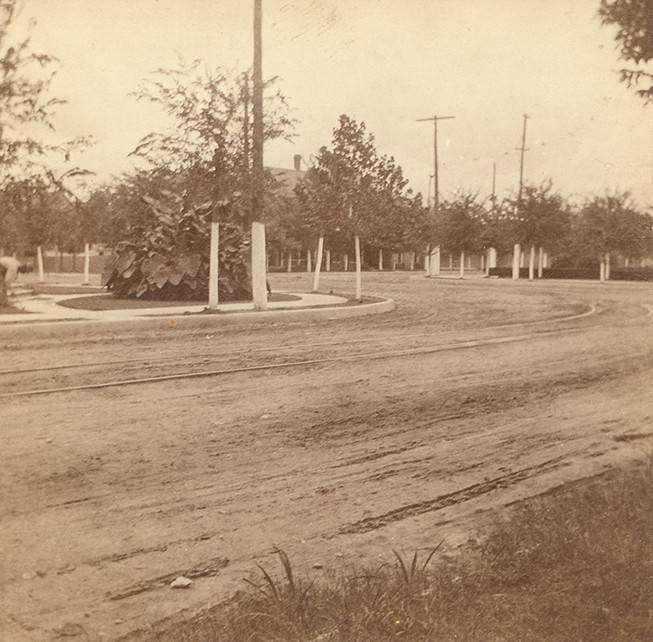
column 574, row 565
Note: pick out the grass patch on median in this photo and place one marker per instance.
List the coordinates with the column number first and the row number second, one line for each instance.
column 109, row 302
column 576, row 564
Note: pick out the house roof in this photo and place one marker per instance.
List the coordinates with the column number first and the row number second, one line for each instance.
column 287, row 177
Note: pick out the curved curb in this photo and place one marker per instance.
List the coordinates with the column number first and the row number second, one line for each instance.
column 53, row 329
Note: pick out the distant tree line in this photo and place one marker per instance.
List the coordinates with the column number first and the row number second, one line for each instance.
column 156, row 218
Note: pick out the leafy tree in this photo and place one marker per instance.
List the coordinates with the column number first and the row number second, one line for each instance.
column 25, row 160
column 611, row 223
column 351, row 190
column 496, row 226
column 205, row 158
column 210, row 140
column 541, row 218
column 459, row 224
column 634, row 37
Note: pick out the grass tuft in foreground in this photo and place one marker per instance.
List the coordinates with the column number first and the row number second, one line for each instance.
column 575, row 565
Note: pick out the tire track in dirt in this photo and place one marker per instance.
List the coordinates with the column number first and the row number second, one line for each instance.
column 450, row 499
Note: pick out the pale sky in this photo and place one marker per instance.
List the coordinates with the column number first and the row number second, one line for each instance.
column 385, row 62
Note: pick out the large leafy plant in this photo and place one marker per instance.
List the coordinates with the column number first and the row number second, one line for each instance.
column 167, row 254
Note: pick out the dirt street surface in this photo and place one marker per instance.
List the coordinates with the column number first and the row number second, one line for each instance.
column 407, row 428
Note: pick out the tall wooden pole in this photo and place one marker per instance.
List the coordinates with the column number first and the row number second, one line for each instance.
column 436, row 186
column 522, row 149
column 259, row 290
column 257, row 187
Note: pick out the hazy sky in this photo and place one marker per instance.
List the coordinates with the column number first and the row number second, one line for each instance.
column 486, row 62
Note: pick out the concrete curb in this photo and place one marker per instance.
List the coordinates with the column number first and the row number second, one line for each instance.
column 64, row 329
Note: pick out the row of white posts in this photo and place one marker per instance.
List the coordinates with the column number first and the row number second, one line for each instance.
column 87, row 263
column 431, row 264
column 259, row 259
column 432, row 261
column 318, row 264
column 518, row 262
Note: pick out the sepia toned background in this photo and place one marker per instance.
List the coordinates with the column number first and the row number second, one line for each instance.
column 387, row 63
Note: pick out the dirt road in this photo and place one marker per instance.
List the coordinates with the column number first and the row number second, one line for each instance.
column 408, row 428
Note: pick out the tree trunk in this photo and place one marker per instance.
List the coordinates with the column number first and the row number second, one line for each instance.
column 345, row 262
column 462, row 265
column 318, row 264
column 357, row 247
column 434, row 261
column 289, row 258
column 309, row 262
column 328, row 261
column 607, row 266
column 87, row 263
column 540, row 262
column 39, row 259
column 380, row 259
column 516, row 257
column 213, row 265
column 531, row 264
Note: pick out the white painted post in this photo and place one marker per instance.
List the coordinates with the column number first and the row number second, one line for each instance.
column 607, row 266
column 318, row 264
column 87, row 263
column 309, row 262
column 357, row 247
column 259, row 288
column 540, row 262
column 328, row 261
column 531, row 264
column 345, row 262
column 213, row 264
column 39, row 260
column 516, row 254
column 434, row 261
column 491, row 260
column 462, row 265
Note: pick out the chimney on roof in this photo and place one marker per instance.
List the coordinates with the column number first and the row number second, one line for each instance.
column 297, row 159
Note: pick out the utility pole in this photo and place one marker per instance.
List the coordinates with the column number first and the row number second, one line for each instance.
column 435, row 119
column 257, row 127
column 246, row 99
column 522, row 149
column 259, row 293
column 428, row 198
